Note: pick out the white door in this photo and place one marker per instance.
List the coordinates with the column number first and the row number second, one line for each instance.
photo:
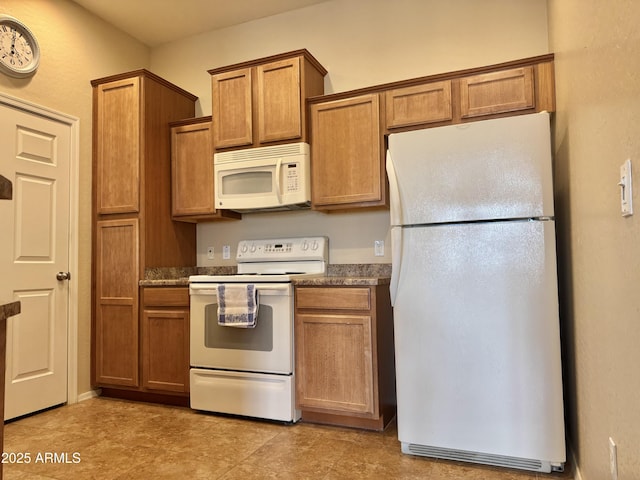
column 34, row 248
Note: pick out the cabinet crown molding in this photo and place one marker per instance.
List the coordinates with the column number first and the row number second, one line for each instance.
column 145, row 74
column 273, row 58
column 433, row 78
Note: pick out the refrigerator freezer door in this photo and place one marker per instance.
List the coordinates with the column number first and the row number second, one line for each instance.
column 477, row 340
column 492, row 169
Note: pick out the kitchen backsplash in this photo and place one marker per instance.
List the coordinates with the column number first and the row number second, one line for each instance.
column 351, row 235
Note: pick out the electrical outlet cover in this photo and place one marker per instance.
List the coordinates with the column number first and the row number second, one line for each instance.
column 378, row 248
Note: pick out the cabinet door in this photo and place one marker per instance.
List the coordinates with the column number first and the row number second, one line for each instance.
column 165, row 349
column 347, row 169
column 117, row 146
column 192, row 170
column 232, row 109
column 334, row 365
column 418, row 105
column 116, row 302
column 497, row 92
column 278, row 101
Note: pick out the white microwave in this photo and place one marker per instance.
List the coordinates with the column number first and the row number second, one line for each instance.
column 263, row 178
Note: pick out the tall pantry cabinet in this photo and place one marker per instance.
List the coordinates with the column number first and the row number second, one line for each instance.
column 132, row 225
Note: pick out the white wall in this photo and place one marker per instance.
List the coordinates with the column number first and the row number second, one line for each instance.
column 597, row 62
column 361, row 43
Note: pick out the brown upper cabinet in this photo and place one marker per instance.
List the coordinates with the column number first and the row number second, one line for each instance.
column 347, row 151
column 192, row 182
column 262, row 102
column 511, row 88
column 497, row 92
column 348, row 128
column 419, row 104
column 117, row 149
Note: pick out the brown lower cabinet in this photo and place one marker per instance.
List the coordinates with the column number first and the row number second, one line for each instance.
column 156, row 352
column 345, row 368
column 164, row 332
column 147, row 359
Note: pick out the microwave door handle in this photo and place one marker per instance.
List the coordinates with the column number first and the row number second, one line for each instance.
column 278, row 168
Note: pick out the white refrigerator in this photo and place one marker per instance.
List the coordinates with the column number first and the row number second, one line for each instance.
column 474, row 293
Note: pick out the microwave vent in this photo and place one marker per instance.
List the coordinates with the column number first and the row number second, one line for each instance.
column 276, row 151
column 281, row 208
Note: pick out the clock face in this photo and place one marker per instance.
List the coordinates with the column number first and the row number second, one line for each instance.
column 19, row 53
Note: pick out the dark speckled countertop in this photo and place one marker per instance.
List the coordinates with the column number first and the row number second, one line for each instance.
column 9, row 310
column 167, row 277
column 342, row 274
column 341, row 281
column 351, row 274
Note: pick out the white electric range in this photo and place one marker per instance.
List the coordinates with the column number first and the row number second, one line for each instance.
column 250, row 371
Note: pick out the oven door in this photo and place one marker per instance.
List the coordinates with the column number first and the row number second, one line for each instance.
column 268, row 347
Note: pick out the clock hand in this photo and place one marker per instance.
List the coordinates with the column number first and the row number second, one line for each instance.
column 13, row 43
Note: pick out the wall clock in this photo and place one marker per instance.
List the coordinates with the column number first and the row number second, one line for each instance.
column 19, row 50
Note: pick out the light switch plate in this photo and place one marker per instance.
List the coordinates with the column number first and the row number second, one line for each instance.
column 226, row 252
column 626, row 189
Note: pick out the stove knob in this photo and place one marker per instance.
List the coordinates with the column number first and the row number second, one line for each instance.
column 305, row 246
column 253, row 248
column 314, row 245
column 243, row 249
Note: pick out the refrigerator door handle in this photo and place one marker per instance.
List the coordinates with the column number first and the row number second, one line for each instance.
column 396, row 261
column 395, row 213
column 395, row 207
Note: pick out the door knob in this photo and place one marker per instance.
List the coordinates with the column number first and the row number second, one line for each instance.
column 63, row 276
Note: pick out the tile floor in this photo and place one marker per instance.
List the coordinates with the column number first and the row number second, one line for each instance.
column 116, row 440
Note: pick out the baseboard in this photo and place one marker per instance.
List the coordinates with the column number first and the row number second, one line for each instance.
column 88, row 395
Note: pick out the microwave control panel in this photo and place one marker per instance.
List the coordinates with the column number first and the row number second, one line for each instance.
column 292, row 177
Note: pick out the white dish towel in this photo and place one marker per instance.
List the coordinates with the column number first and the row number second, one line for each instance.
column 237, row 305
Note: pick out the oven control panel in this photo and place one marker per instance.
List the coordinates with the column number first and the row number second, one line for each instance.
column 283, row 249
